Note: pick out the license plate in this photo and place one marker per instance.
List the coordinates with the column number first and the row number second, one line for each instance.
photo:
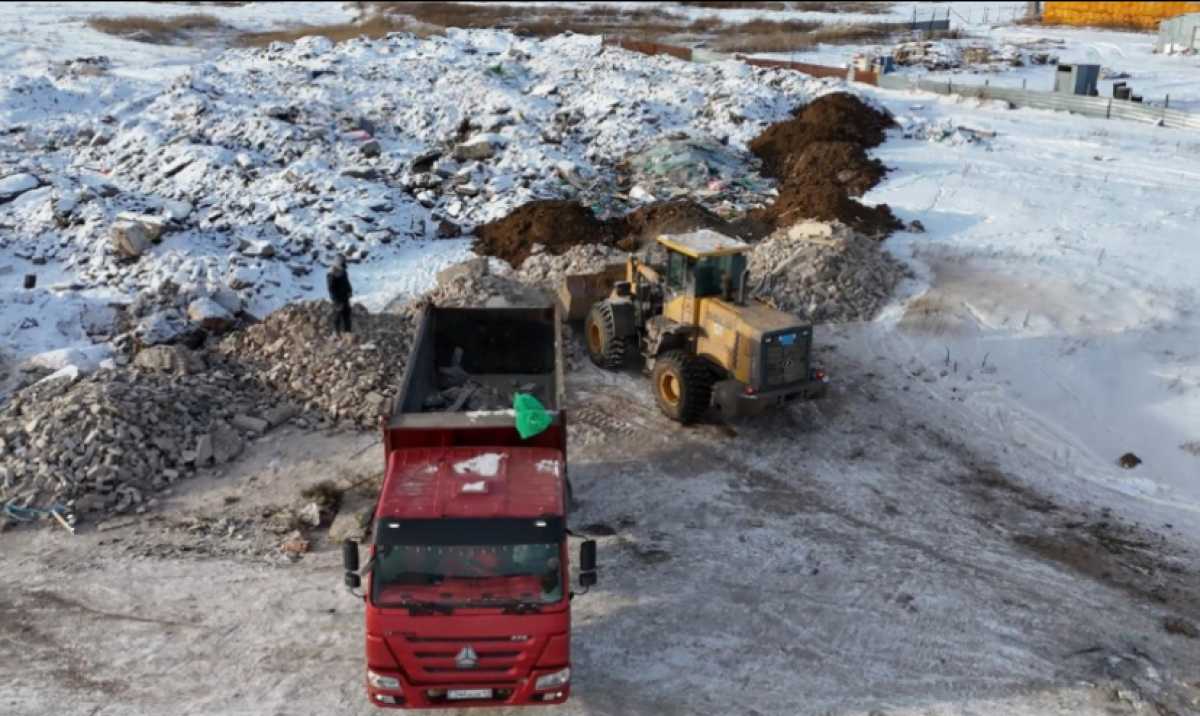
column 463, row 694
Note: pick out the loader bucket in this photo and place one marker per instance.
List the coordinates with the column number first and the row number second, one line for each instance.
column 578, row 292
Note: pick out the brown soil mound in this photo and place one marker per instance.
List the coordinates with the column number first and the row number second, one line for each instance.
column 556, row 224
column 826, row 201
column 831, row 118
column 820, row 159
column 641, row 226
column 846, row 163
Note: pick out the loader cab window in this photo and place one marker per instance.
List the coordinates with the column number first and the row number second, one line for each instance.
column 711, row 270
column 679, row 269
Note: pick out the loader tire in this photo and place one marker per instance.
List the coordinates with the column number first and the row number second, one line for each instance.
column 604, row 346
column 682, row 386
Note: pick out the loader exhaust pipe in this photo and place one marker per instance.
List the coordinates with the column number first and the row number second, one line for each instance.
column 744, row 287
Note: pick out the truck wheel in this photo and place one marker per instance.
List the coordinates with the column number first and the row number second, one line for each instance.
column 682, row 386
column 605, row 347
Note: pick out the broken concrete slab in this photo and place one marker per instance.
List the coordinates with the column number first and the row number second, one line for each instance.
column 251, row 424
column 210, row 315
column 469, row 270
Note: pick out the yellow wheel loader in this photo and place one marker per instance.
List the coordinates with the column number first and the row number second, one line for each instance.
column 688, row 320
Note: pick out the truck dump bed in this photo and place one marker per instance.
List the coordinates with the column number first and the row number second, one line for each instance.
column 465, row 366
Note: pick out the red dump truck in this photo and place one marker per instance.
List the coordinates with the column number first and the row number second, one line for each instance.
column 467, row 585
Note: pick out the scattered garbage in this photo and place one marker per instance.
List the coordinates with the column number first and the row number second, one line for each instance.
column 704, row 170
column 941, row 55
column 1129, row 461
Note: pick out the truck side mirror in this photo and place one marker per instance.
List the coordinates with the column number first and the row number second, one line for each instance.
column 587, row 563
column 350, row 564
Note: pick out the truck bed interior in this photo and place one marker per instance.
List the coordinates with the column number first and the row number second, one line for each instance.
column 503, row 349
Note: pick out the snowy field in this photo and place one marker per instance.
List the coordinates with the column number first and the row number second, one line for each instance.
column 35, row 33
column 1064, row 250
column 897, row 548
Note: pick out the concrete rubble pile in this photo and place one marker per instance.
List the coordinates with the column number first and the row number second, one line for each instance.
column 824, row 273
column 345, row 379
column 105, row 442
column 547, row 270
column 221, row 178
column 942, row 131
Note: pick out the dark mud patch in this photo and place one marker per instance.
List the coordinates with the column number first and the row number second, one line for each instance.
column 1120, row 555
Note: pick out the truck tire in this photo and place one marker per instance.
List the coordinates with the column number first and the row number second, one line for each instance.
column 682, row 386
column 604, row 346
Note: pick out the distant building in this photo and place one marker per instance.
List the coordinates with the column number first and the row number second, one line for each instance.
column 1179, row 34
column 1144, row 15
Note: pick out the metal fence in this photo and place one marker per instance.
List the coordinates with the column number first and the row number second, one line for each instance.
column 1087, row 106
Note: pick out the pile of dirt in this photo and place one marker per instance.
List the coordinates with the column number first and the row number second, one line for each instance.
column 820, row 159
column 555, row 224
column 824, row 273
column 642, row 225
column 846, row 162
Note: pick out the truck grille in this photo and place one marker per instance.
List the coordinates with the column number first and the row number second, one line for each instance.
column 498, row 657
column 785, row 363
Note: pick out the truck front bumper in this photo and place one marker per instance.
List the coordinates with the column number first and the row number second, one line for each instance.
column 733, row 401
column 520, row 692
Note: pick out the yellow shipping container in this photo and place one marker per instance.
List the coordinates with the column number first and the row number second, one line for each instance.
column 1145, row 15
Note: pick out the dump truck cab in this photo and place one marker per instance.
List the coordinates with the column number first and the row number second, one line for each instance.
column 467, row 584
column 701, row 337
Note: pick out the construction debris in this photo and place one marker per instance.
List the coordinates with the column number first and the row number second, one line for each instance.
column 824, row 273
column 344, row 379
column 116, row 435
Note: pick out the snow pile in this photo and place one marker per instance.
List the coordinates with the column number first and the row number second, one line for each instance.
column 941, row 130
column 824, row 273
column 261, row 165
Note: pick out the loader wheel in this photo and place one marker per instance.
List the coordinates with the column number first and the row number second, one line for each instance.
column 682, row 386
column 605, row 347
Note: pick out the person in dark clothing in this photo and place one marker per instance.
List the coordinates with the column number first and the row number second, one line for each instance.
column 340, row 292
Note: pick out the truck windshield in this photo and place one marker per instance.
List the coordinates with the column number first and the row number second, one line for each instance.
column 467, row 575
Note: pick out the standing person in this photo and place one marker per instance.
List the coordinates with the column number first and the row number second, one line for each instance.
column 340, row 292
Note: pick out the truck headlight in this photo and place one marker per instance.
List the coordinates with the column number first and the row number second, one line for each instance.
column 554, row 680
column 380, row 681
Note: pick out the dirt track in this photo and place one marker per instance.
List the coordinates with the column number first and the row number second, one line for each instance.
column 864, row 554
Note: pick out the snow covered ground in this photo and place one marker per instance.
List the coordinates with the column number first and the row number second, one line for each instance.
column 912, row 544
column 35, row 33
column 1063, row 254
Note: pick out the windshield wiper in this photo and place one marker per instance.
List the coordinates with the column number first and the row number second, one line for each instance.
column 523, row 608
column 512, row 606
column 420, row 609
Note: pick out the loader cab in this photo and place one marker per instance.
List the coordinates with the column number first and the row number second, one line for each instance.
column 704, row 263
